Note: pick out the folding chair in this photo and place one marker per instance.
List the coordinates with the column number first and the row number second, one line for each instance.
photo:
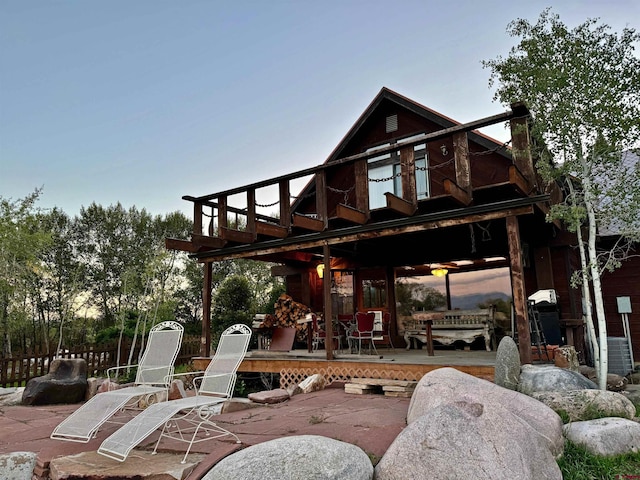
column 184, row 419
column 363, row 331
column 153, row 376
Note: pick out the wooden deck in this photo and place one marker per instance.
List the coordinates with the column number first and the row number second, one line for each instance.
column 396, row 364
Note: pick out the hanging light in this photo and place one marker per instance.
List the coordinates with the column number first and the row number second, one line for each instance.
column 439, row 272
column 320, row 270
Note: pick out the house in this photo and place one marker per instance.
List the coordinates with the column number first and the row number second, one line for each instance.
column 406, row 190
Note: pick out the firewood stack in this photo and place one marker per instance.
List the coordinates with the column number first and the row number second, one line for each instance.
column 287, row 312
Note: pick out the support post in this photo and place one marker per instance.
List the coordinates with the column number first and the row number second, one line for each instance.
column 326, row 300
column 205, row 339
column 517, row 285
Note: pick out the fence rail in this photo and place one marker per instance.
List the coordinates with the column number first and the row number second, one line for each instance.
column 18, row 370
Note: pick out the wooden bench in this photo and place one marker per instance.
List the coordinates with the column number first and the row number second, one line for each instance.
column 451, row 325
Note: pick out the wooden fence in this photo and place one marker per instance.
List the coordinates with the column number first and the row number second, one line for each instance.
column 16, row 371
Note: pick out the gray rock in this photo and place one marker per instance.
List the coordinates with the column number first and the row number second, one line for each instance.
column 507, row 370
column 312, row 383
column 468, row 440
column 448, row 385
column 605, row 436
column 66, row 382
column 11, row 396
column 17, row 465
column 303, row 457
column 579, row 405
column 277, row 395
column 535, row 378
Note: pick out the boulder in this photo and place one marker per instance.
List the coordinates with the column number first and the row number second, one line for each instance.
column 615, row 382
column 507, row 370
column 17, row 465
column 468, row 440
column 299, row 457
column 176, row 390
column 447, row 385
column 579, row 405
column 605, row 436
column 92, row 388
column 312, row 383
column 567, row 357
column 277, row 395
column 536, row 378
column 11, row 396
column 66, row 382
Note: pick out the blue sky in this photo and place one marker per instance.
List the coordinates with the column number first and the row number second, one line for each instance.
column 142, row 102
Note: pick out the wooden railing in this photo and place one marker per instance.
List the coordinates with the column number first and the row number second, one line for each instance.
column 19, row 369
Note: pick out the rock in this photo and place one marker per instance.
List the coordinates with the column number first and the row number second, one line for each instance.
column 107, row 386
column 157, row 397
column 567, row 357
column 66, row 382
column 312, row 383
column 278, row 395
column 579, row 405
column 11, row 396
column 534, row 378
column 302, row 457
column 616, row 383
column 17, row 465
column 605, row 436
column 468, row 440
column 507, row 370
column 176, row 390
column 92, row 388
column 448, row 385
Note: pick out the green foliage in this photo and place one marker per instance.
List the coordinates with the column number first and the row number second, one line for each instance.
column 578, row 464
column 231, row 305
column 501, row 305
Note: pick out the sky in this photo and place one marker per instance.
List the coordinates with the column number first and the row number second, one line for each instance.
column 142, row 102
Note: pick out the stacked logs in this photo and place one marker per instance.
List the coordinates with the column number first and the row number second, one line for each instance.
column 287, row 313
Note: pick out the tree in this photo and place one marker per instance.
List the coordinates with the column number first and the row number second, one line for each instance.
column 412, row 296
column 583, row 89
column 21, row 240
column 231, row 304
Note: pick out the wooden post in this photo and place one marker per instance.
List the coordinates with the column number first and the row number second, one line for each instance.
column 321, row 197
column 517, row 285
column 430, row 338
column 326, row 297
column 408, row 175
column 521, row 143
column 285, row 204
column 361, row 172
column 463, row 165
column 205, row 339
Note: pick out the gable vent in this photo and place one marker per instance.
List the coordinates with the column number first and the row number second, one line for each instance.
column 391, row 124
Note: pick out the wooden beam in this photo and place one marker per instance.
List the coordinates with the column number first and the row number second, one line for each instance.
column 361, row 172
column 517, row 284
column 408, row 175
column 321, row 197
column 462, row 162
column 400, row 205
column 345, row 212
column 521, row 183
column 326, row 300
column 181, row 245
column 308, row 223
column 238, row 236
column 206, row 241
column 521, row 148
column 251, row 211
column 419, row 226
column 285, row 203
column 459, row 194
column 271, row 230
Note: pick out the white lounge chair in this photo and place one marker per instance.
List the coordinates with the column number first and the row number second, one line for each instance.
column 154, row 372
column 185, row 418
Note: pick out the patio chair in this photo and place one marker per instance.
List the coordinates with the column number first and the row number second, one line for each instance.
column 184, row 419
column 363, row 331
column 153, row 376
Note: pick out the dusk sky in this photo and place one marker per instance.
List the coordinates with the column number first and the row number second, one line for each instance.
column 142, row 102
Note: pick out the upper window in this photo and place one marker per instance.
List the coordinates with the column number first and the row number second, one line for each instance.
column 385, row 174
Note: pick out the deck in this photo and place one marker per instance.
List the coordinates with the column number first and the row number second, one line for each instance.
column 396, row 364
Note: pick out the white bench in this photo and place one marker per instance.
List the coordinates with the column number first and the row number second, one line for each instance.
column 452, row 325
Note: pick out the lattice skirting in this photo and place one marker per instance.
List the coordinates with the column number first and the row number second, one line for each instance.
column 293, row 376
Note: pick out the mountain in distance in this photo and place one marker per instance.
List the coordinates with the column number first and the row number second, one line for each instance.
column 469, row 302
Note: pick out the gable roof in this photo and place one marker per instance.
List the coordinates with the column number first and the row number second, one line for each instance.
column 387, row 94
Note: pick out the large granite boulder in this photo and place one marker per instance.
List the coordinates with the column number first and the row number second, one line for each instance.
column 17, row 465
column 66, row 382
column 536, row 378
column 465, row 439
column 303, row 457
column 507, row 370
column 447, row 385
column 579, row 405
column 605, row 436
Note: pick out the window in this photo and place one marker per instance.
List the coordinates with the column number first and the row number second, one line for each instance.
column 374, row 293
column 385, row 174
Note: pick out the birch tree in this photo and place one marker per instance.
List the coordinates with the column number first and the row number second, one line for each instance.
column 582, row 86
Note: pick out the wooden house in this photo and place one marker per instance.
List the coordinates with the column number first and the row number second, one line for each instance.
column 406, row 190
